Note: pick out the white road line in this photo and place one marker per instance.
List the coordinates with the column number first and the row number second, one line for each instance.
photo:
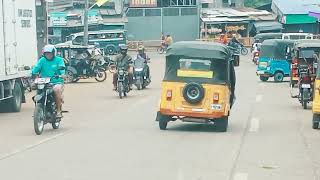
column 259, row 98
column 241, row 176
column 8, row 155
column 180, row 175
column 254, row 125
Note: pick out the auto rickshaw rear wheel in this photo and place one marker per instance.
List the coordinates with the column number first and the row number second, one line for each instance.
column 163, row 120
column 221, row 124
column 278, row 76
column 315, row 121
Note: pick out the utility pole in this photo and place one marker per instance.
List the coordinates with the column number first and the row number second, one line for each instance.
column 86, row 23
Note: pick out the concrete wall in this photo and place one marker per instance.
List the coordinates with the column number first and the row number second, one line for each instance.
column 180, row 26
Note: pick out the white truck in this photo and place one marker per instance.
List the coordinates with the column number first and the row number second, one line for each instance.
column 18, row 50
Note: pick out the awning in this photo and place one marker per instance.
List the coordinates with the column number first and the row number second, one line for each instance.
column 267, row 26
column 314, row 14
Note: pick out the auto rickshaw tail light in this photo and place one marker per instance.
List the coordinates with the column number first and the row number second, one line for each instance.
column 169, row 95
column 216, row 97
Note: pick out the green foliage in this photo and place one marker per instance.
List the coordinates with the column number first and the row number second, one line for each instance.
column 256, row 3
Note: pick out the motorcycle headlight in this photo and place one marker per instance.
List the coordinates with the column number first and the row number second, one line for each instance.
column 41, row 86
column 121, row 72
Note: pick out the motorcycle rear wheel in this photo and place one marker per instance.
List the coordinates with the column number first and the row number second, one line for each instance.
column 38, row 119
column 244, row 51
column 101, row 75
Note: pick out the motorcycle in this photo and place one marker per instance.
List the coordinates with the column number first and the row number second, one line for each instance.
column 45, row 105
column 305, row 85
column 84, row 69
column 123, row 86
column 162, row 49
column 255, row 59
column 243, row 50
column 141, row 77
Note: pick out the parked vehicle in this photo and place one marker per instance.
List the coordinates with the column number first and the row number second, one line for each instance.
column 45, row 105
column 18, row 51
column 303, row 52
column 273, row 60
column 198, row 85
column 80, row 64
column 141, row 77
column 108, row 40
column 123, row 87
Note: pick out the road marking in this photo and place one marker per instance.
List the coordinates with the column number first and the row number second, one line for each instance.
column 254, row 125
column 241, row 176
column 180, row 175
column 8, row 155
column 259, row 98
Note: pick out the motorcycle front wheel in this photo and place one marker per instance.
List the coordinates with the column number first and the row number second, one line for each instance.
column 160, row 50
column 120, row 90
column 101, row 75
column 38, row 119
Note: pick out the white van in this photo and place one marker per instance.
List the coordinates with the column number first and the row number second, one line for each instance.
column 295, row 36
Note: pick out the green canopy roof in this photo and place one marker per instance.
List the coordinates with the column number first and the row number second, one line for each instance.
column 199, row 49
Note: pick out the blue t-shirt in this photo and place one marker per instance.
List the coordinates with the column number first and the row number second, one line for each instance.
column 48, row 68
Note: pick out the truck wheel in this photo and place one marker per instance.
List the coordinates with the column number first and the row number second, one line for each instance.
column 221, row 124
column 14, row 103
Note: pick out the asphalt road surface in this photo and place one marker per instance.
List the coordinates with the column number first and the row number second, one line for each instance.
column 102, row 137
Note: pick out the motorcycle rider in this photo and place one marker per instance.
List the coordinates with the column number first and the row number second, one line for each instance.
column 142, row 54
column 123, row 60
column 234, row 41
column 48, row 66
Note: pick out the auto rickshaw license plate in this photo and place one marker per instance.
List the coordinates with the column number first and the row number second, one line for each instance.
column 306, row 86
column 260, row 72
column 216, row 107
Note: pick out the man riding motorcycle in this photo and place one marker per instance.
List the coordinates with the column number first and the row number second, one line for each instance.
column 123, row 60
column 142, row 54
column 48, row 66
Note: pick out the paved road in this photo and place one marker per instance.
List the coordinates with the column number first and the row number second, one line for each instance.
column 269, row 137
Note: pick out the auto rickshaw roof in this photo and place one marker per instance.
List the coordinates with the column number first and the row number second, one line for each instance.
column 69, row 45
column 308, row 43
column 275, row 48
column 264, row 36
column 199, row 49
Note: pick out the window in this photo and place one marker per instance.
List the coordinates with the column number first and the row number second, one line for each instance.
column 205, row 5
column 307, row 53
column 188, row 11
column 78, row 40
column 135, row 12
column 171, row 11
column 195, row 64
column 152, row 12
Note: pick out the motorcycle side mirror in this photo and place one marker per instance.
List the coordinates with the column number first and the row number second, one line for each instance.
column 27, row 68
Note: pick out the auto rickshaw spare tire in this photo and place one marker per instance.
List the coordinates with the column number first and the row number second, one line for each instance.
column 193, row 92
column 111, row 49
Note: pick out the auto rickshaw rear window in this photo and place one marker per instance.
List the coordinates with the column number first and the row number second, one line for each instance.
column 306, row 53
column 195, row 68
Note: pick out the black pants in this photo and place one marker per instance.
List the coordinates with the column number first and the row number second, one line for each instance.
column 115, row 79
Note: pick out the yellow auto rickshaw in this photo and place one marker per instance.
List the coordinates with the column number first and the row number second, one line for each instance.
column 198, row 85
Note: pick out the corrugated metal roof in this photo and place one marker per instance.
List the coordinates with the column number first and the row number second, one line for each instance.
column 297, row 6
column 235, row 15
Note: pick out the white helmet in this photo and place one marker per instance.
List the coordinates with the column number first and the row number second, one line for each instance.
column 49, row 49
